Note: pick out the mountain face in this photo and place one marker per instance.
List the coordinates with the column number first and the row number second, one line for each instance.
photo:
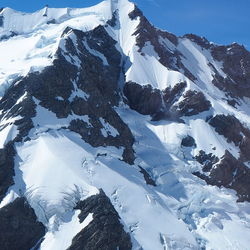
column 118, row 135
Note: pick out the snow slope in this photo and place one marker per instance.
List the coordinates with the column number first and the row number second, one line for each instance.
column 55, row 168
column 37, row 37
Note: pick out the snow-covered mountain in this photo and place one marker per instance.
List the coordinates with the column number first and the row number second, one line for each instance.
column 117, row 135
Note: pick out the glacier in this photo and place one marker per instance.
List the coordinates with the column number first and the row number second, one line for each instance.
column 70, row 132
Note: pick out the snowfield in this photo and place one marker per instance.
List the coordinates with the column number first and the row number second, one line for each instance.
column 55, row 168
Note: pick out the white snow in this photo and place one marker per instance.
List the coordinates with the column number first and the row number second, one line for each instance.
column 78, row 93
column 148, row 70
column 37, row 41
column 96, row 53
column 108, row 129
column 211, row 213
column 8, row 133
column 56, row 168
column 196, row 60
column 46, row 120
column 62, row 238
column 21, row 60
column 216, row 144
column 10, row 197
column 48, row 171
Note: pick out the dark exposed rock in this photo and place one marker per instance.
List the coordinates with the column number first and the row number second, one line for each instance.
column 188, row 141
column 94, row 78
column 171, row 37
column 25, row 108
column 20, row 228
column 11, row 108
column 232, row 102
column 245, row 149
column 52, row 21
column 147, row 177
column 231, row 128
column 201, row 41
column 113, row 21
column 161, row 104
column 167, row 115
column 171, row 95
column 230, row 173
column 207, row 160
column 25, row 124
column 228, row 126
column 236, row 65
column 1, row 20
column 143, row 99
column 146, row 32
column 80, row 106
column 7, row 155
column 52, row 82
column 93, row 135
column 7, row 36
column 10, row 98
column 97, row 80
column 100, row 155
column 193, row 103
column 105, row 231
column 135, row 13
column 149, row 101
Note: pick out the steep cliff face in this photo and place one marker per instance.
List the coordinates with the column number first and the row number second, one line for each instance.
column 21, row 228
column 115, row 134
column 105, row 230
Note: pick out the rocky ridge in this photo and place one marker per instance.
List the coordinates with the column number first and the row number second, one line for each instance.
column 88, row 85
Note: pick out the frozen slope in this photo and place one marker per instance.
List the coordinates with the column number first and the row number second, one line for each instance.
column 210, row 213
column 36, row 37
column 170, row 155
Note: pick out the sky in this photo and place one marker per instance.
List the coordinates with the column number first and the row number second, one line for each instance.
column 220, row 21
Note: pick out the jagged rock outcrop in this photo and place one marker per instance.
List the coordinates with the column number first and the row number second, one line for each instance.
column 188, row 141
column 20, row 228
column 231, row 128
column 193, row 103
column 201, row 41
column 105, row 231
column 236, row 64
column 16, row 104
column 235, row 60
column 164, row 104
column 147, row 177
column 6, row 168
column 68, row 130
column 55, row 88
column 144, row 99
column 147, row 33
column 228, row 172
column 1, row 19
column 206, row 160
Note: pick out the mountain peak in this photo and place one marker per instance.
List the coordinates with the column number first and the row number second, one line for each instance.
column 115, row 134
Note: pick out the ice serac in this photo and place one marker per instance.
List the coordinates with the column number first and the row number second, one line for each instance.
column 116, row 134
